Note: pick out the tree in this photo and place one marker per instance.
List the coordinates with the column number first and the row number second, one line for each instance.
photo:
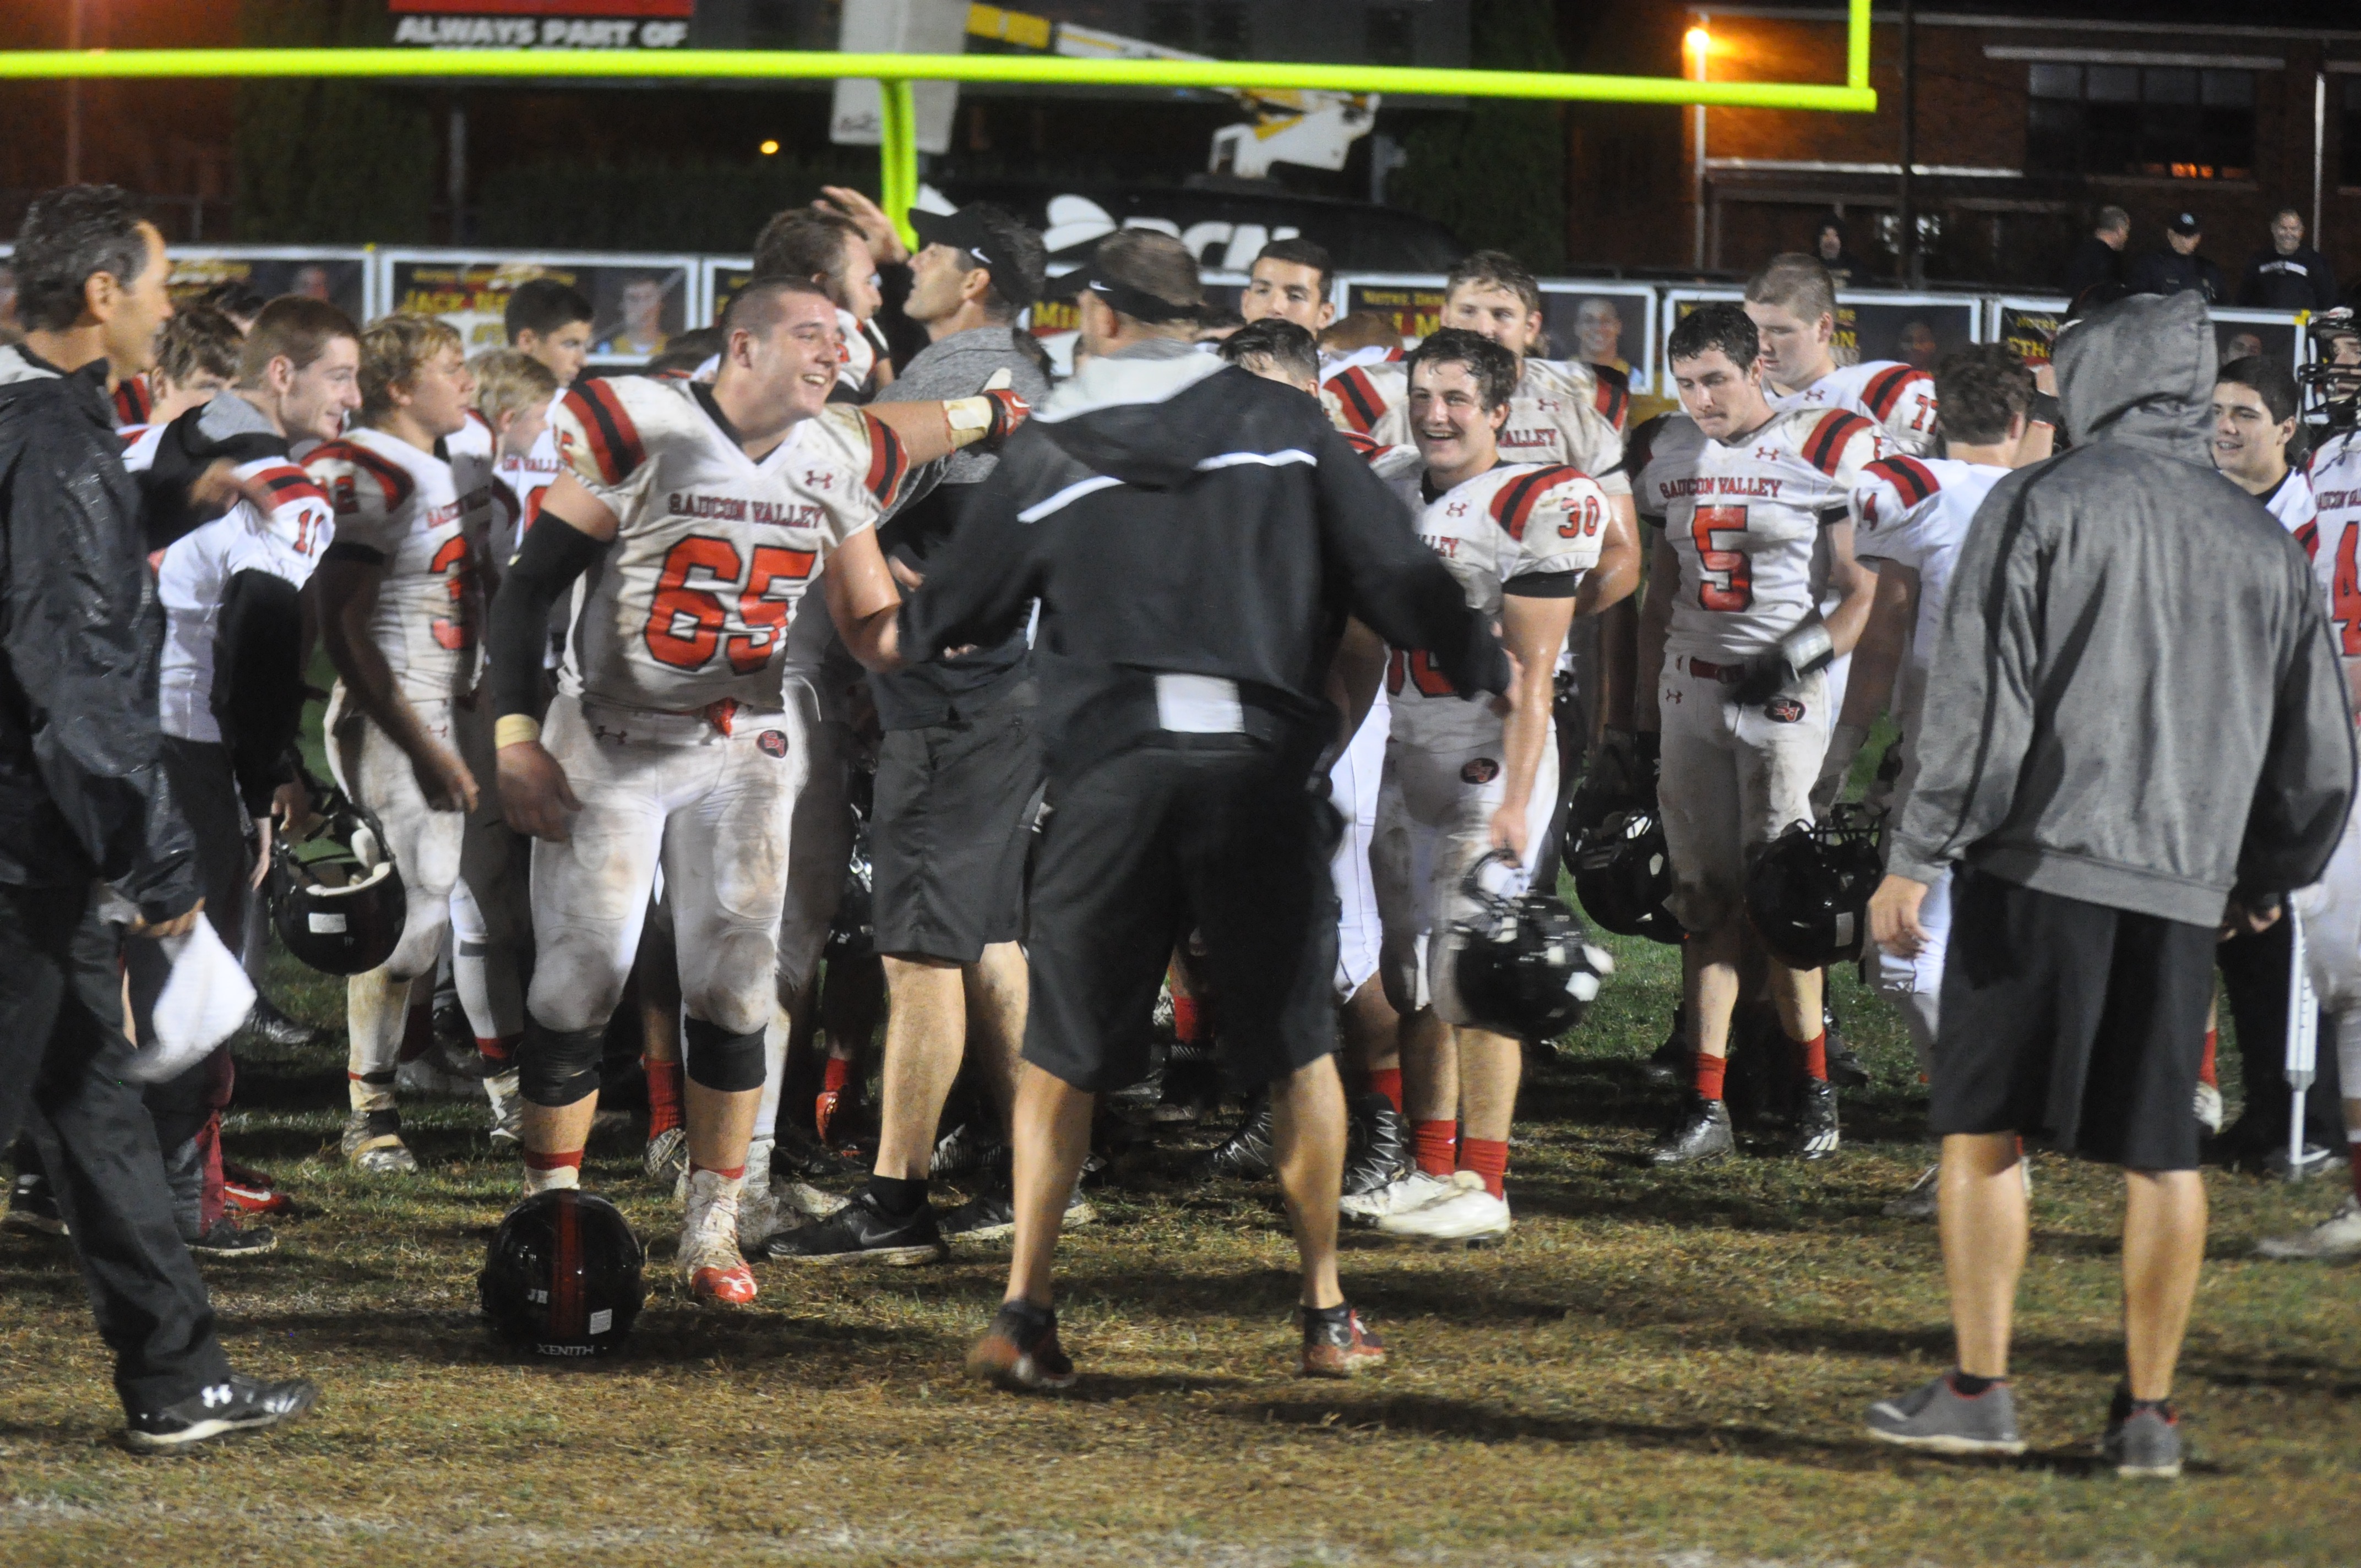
column 329, row 162
column 1495, row 175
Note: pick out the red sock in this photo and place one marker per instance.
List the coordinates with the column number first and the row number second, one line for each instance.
column 567, row 1159
column 838, row 1073
column 496, row 1053
column 1487, row 1158
column 663, row 1095
column 1708, row 1075
column 2206, row 1063
column 1814, row 1055
column 1435, row 1145
column 1386, row 1080
column 733, row 1173
column 1186, row 1020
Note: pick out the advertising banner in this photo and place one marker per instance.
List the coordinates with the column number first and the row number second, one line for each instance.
column 639, row 303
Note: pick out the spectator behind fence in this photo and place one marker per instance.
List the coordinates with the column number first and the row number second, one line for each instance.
column 2290, row 275
column 2100, row 258
column 2135, row 736
column 2177, row 267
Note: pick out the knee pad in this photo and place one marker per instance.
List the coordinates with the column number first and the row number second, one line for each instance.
column 728, row 1064
column 558, row 1067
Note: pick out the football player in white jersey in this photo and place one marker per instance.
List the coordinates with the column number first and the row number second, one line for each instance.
column 1793, row 302
column 401, row 607
column 2254, row 408
column 839, row 248
column 1735, row 646
column 699, row 522
column 1910, row 517
column 2331, row 908
column 1533, row 545
column 549, row 321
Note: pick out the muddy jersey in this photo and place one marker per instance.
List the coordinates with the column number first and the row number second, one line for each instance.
column 1750, row 565
column 1896, row 398
column 2336, row 475
column 1551, row 420
column 1525, row 528
column 402, row 508
column 691, row 603
column 1915, row 512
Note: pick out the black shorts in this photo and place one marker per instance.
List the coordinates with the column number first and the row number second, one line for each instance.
column 2073, row 1024
column 948, row 834
column 1222, row 834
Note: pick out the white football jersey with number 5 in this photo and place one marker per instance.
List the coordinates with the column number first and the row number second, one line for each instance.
column 691, row 604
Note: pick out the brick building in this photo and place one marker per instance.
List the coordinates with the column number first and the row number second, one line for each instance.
column 2025, row 125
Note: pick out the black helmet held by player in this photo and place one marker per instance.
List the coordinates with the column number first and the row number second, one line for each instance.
column 337, row 897
column 1807, row 892
column 1623, row 873
column 1523, row 965
column 561, row 1278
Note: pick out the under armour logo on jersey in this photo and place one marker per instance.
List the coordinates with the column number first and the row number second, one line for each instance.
column 819, row 479
column 219, row 1394
column 1766, row 454
column 1456, row 509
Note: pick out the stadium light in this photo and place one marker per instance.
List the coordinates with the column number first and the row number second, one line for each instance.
column 895, row 73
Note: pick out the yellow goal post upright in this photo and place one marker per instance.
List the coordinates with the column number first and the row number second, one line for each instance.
column 895, row 73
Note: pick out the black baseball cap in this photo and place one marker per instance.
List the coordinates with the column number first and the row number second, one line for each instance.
column 2185, row 224
column 1127, row 298
column 967, row 230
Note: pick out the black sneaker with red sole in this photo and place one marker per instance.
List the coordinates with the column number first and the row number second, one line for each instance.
column 1020, row 1352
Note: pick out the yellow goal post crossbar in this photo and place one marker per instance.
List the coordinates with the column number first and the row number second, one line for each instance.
column 895, row 73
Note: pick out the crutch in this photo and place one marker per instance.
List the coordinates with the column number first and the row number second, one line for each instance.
column 2302, row 1040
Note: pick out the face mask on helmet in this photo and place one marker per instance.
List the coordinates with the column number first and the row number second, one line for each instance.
column 1523, row 963
column 1808, row 893
column 336, row 898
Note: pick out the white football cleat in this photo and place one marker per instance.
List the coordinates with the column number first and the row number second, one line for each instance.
column 666, row 1158
column 507, row 1107
column 709, row 1259
column 376, row 1154
column 1396, row 1197
column 1469, row 1215
column 761, row 1215
column 2337, row 1236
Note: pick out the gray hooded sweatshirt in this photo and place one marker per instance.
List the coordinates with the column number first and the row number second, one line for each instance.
column 2134, row 700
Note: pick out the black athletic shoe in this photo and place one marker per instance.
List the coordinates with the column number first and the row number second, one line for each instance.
column 1337, row 1344
column 1816, row 1137
column 1020, row 1350
column 32, row 1206
column 2142, row 1441
column 1378, row 1150
column 219, row 1409
column 992, row 1214
column 1672, row 1061
column 227, row 1238
column 863, row 1233
column 267, row 1023
column 1245, row 1154
column 1702, row 1134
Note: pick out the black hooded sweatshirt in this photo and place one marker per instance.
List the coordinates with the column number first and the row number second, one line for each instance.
column 1178, row 516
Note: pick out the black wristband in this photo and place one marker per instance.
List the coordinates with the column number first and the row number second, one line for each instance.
column 2044, row 410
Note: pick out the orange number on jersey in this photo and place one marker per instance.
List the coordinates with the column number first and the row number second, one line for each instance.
column 1580, row 520
column 1727, row 576
column 1430, row 681
column 453, row 565
column 765, row 616
column 2344, row 599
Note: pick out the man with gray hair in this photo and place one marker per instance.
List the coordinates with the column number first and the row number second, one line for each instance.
column 2135, row 738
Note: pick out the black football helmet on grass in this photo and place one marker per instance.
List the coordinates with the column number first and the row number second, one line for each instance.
column 561, row 1278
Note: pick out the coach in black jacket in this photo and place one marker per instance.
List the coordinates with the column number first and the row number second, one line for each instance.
column 1197, row 538
column 82, row 802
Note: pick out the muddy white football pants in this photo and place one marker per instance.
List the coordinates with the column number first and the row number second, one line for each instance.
column 1733, row 778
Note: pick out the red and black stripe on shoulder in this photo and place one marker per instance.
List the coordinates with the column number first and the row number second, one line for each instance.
column 889, row 460
column 389, row 476
column 1358, row 397
column 1613, row 397
column 1513, row 503
column 615, row 442
column 1911, row 480
column 287, row 483
column 133, row 401
column 1824, row 447
column 1883, row 393
column 2307, row 535
column 1365, row 447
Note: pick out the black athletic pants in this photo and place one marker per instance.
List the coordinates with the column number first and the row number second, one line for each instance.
column 61, row 1060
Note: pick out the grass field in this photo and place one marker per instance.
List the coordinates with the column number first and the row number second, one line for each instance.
column 1658, row 1367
